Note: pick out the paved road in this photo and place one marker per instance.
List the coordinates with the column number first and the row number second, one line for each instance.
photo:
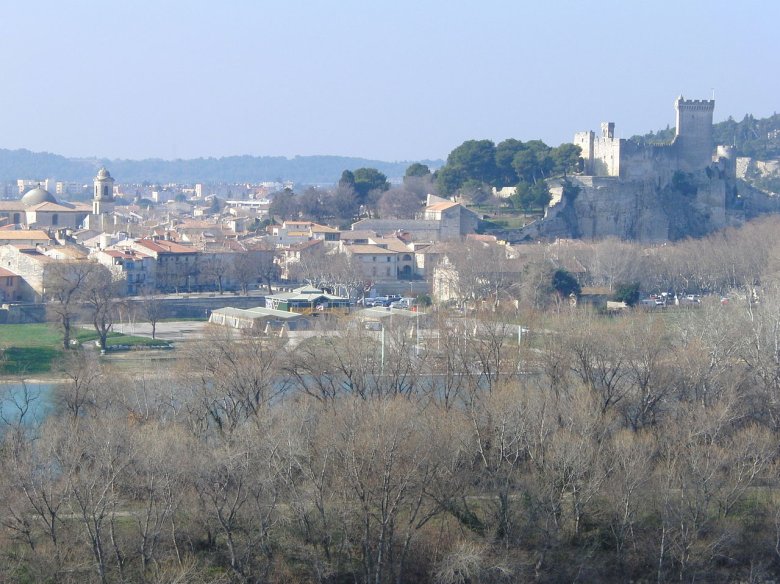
column 170, row 331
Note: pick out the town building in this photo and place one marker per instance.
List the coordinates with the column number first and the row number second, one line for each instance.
column 308, row 300
column 10, row 286
column 441, row 220
column 259, row 320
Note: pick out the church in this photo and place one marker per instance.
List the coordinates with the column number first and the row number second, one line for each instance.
column 39, row 209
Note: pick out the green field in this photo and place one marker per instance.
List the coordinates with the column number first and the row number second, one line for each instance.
column 32, row 348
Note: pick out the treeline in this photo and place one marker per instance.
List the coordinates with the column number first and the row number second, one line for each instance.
column 474, row 167
column 636, row 449
column 733, row 259
column 366, row 192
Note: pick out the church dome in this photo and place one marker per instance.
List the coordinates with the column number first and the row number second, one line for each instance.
column 103, row 174
column 36, row 196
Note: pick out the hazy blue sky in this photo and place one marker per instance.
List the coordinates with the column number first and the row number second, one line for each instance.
column 393, row 80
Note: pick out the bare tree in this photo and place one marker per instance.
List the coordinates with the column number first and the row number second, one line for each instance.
column 255, row 265
column 216, row 267
column 100, row 294
column 234, row 379
column 151, row 308
column 399, row 203
column 65, row 286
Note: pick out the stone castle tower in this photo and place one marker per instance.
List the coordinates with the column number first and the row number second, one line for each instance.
column 103, row 197
column 693, row 137
column 627, row 188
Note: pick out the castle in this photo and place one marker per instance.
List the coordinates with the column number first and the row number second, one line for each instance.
column 633, row 190
column 690, row 151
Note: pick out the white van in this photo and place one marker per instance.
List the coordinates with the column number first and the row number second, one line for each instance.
column 405, row 303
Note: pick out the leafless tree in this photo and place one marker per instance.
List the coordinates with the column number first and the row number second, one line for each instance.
column 235, row 379
column 100, row 294
column 216, row 267
column 66, row 282
column 151, row 308
column 399, row 203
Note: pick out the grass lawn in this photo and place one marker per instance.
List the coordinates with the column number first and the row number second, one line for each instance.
column 31, row 348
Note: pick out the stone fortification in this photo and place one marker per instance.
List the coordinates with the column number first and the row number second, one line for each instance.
column 641, row 191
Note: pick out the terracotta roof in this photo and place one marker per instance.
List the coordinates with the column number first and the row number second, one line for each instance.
column 482, row 237
column 197, row 225
column 357, row 234
column 440, row 206
column 437, row 247
column 368, row 249
column 392, row 243
column 305, row 245
column 163, row 246
column 317, row 228
column 24, row 235
column 6, row 273
column 129, row 254
column 70, row 251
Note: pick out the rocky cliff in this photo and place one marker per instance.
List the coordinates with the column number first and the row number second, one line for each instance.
column 597, row 207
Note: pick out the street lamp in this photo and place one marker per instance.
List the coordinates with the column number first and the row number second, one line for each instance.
column 417, row 326
column 382, row 354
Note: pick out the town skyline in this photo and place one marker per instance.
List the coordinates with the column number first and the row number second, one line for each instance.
column 404, row 82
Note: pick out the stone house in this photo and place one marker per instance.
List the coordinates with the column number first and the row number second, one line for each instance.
column 133, row 268
column 376, row 262
column 31, row 266
column 10, row 285
column 177, row 266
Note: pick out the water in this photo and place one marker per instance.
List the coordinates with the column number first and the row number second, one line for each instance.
column 25, row 402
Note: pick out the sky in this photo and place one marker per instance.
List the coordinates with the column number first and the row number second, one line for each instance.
column 390, row 80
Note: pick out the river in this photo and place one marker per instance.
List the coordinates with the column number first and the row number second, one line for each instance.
column 26, row 401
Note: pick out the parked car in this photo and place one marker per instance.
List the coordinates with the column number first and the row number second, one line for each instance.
column 377, row 301
column 405, row 303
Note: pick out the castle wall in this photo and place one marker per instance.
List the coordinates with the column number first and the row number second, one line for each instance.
column 422, row 229
column 640, row 162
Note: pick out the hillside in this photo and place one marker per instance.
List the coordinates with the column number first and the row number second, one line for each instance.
column 15, row 164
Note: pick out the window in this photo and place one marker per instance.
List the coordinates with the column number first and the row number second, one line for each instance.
column 388, row 259
column 105, row 191
column 55, row 219
column 374, row 258
column 16, row 217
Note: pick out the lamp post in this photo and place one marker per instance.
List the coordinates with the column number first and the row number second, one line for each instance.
column 382, row 355
column 417, row 326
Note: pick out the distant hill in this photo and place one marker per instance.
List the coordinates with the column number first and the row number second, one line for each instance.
column 15, row 164
column 757, row 138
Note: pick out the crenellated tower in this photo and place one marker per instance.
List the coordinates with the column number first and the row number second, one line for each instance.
column 693, row 138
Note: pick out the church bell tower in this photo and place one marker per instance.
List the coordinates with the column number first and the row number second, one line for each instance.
column 103, row 196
